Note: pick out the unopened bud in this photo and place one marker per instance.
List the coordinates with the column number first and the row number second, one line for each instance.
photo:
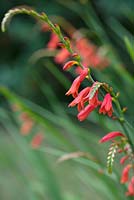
column 66, row 38
column 76, row 56
column 111, row 89
column 60, row 44
column 114, row 118
column 69, row 64
column 44, row 15
column 124, row 109
column 57, row 28
column 117, row 94
column 119, row 150
column 67, row 41
column 105, row 86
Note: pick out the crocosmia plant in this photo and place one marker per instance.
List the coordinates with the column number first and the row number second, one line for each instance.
column 81, row 58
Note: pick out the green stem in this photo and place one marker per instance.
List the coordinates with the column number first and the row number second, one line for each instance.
column 123, row 121
column 128, row 135
column 91, row 78
column 121, row 118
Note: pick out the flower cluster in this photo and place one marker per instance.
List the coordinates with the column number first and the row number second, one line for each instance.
column 87, row 99
column 123, row 147
column 90, row 53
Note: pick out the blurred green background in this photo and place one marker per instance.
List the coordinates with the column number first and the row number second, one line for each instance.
column 39, row 89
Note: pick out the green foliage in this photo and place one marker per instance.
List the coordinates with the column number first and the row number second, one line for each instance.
column 130, row 47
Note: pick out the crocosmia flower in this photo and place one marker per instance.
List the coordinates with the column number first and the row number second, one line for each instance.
column 74, row 87
column 62, row 56
column 125, row 173
column 123, row 159
column 111, row 135
column 95, row 101
column 131, row 188
column 76, row 83
column 80, row 99
column 106, row 106
column 53, row 43
column 83, row 114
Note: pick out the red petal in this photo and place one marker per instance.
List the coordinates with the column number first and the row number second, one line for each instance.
column 125, row 174
column 85, row 112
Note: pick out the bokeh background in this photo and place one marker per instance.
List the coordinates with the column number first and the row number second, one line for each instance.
column 32, row 90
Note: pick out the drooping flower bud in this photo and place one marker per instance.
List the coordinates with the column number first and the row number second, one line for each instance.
column 125, row 173
column 123, row 159
column 83, row 114
column 106, row 106
column 110, row 136
column 131, row 188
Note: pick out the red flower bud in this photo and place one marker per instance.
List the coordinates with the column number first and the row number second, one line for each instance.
column 106, row 106
column 131, row 188
column 60, row 44
column 85, row 112
column 125, row 173
column 123, row 159
column 110, row 136
column 74, row 87
column 69, row 64
column 74, row 55
column 66, row 38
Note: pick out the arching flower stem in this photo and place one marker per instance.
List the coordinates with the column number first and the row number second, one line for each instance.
column 66, row 42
